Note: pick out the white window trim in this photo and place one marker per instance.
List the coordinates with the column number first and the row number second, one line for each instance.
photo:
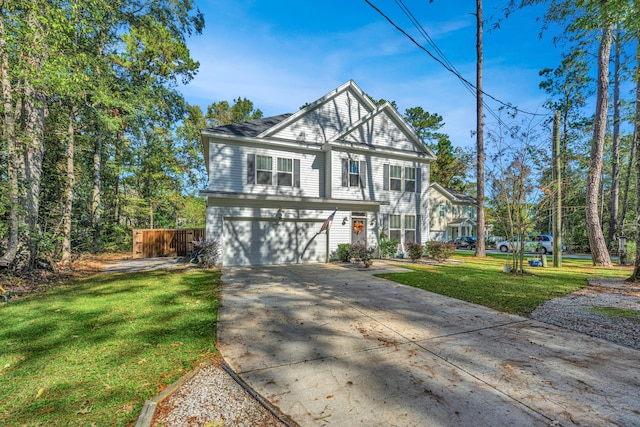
column 391, row 229
column 263, row 170
column 410, row 180
column 278, row 172
column 394, row 178
column 406, row 228
column 351, row 174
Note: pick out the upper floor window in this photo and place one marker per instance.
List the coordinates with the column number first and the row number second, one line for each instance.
column 442, row 210
column 260, row 170
column 410, row 180
column 354, row 173
column 285, row 172
column 395, row 178
column 470, row 211
column 264, row 170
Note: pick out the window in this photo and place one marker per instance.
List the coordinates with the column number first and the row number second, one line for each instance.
column 410, row 180
column 264, row 170
column 395, row 228
column 395, row 178
column 285, row 172
column 354, row 173
column 442, row 210
column 409, row 228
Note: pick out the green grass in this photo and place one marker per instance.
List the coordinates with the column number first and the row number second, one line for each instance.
column 91, row 352
column 481, row 281
column 617, row 312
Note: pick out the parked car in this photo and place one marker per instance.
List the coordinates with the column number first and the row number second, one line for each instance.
column 536, row 243
column 467, row 242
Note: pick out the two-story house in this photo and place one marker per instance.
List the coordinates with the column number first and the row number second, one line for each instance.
column 274, row 182
column 453, row 214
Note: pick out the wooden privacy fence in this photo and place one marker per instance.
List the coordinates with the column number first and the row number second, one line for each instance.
column 165, row 242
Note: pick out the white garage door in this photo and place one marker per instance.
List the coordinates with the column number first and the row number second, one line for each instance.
column 260, row 242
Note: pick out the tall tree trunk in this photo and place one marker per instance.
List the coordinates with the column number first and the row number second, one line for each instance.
column 625, row 197
column 68, row 192
column 33, row 105
column 150, row 214
column 96, row 209
column 116, row 184
column 636, row 140
column 9, row 134
column 480, row 246
column 615, row 146
column 598, row 246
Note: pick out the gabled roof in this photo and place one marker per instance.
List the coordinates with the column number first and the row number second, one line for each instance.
column 390, row 112
column 461, row 221
column 251, row 128
column 350, row 86
column 345, row 117
column 453, row 195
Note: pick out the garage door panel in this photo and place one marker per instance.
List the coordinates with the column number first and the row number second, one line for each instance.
column 260, row 242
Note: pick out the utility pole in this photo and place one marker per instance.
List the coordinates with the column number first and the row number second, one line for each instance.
column 557, row 214
column 480, row 246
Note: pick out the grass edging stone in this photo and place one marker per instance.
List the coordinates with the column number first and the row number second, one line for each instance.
column 149, row 407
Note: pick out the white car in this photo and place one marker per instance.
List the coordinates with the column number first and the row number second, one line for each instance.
column 539, row 243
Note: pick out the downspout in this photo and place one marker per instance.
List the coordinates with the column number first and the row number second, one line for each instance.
column 328, row 185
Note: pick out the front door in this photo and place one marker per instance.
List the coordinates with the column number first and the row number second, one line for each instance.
column 359, row 231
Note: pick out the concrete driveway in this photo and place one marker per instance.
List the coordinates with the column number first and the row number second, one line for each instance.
column 335, row 346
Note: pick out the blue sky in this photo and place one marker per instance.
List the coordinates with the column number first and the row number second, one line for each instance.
column 282, row 54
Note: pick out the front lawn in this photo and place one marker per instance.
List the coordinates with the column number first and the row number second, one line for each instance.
column 91, row 352
column 481, row 281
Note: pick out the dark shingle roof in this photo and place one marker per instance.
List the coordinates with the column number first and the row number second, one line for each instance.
column 461, row 197
column 251, row 128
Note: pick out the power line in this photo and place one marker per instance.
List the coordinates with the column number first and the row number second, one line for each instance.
column 447, row 65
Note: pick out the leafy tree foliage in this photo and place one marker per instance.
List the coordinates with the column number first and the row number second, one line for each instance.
column 88, row 122
column 221, row 113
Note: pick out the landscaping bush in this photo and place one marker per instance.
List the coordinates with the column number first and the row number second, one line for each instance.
column 415, row 250
column 440, row 250
column 388, row 248
column 208, row 252
column 344, row 252
column 360, row 253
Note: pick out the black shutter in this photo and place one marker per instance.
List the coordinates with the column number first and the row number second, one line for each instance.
column 345, row 172
column 363, row 174
column 418, row 181
column 385, row 176
column 251, row 168
column 418, row 228
column 296, row 172
column 385, row 223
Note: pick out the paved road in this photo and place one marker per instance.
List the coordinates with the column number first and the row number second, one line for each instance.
column 335, row 346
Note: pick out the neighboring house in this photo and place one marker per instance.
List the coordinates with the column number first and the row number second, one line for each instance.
column 453, row 214
column 273, row 182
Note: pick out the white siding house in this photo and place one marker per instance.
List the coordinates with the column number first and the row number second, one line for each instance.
column 273, row 182
column 453, row 214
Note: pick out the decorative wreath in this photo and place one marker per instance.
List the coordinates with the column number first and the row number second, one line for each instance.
column 358, row 226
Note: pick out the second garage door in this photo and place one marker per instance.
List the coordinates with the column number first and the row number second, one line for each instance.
column 265, row 241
